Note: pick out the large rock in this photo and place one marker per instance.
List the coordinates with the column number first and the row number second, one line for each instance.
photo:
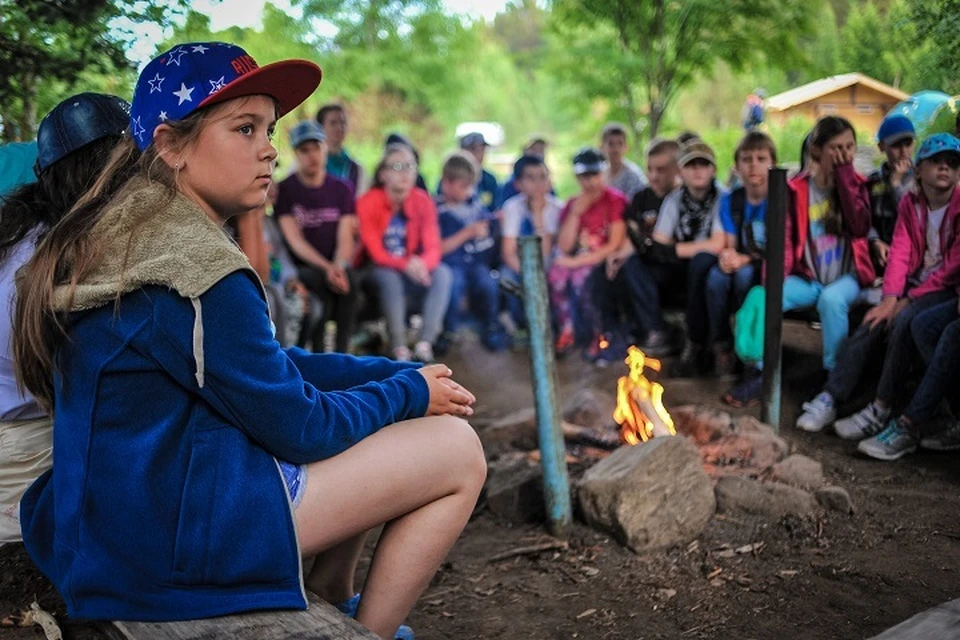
column 650, row 496
column 514, row 490
column 764, row 499
column 799, row 471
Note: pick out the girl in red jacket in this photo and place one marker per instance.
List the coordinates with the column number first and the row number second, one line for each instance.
column 401, row 236
column 923, row 271
column 826, row 256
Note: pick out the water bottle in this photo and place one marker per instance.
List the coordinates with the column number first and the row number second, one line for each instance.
column 329, row 336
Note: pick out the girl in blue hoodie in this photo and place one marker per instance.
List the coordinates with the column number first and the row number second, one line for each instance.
column 196, row 461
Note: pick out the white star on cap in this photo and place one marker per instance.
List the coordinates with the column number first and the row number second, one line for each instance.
column 138, row 130
column 155, row 83
column 216, row 85
column 184, row 94
column 199, row 48
column 162, row 116
column 176, row 54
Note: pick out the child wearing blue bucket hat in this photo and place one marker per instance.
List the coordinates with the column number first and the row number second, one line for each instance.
column 74, row 142
column 198, row 462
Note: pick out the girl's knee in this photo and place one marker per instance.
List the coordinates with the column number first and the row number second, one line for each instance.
column 832, row 302
column 461, row 447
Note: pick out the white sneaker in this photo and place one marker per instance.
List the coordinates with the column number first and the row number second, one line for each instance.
column 402, row 354
column 817, row 413
column 890, row 444
column 423, row 351
column 947, row 440
column 866, row 423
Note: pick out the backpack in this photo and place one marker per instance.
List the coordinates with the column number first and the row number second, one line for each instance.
column 738, row 209
column 749, row 329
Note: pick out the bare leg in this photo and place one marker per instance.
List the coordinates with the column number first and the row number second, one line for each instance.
column 333, row 574
column 420, row 477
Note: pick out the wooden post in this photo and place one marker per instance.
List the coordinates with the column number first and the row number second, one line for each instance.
column 556, row 485
column 773, row 313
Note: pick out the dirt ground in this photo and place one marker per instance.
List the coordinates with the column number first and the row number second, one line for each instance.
column 839, row 577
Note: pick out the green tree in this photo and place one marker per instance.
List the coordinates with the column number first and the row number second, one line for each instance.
column 651, row 50
column 938, row 22
column 47, row 46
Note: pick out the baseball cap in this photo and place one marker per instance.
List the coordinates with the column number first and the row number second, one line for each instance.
column 78, row 121
column 472, row 140
column 696, row 149
column 194, row 75
column 305, row 131
column 935, row 144
column 894, row 128
column 588, row 160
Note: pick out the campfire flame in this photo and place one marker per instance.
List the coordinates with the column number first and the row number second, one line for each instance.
column 640, row 411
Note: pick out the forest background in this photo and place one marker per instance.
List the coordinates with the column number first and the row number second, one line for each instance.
column 559, row 69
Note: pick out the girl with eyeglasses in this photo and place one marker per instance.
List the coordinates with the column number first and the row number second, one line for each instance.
column 400, row 235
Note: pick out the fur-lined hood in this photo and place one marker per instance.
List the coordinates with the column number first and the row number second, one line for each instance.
column 151, row 237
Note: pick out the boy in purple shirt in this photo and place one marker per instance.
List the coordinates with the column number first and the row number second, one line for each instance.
column 317, row 216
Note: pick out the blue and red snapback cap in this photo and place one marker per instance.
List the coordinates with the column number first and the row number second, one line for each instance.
column 194, row 75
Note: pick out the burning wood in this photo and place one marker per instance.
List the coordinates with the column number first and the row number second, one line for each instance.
column 640, row 411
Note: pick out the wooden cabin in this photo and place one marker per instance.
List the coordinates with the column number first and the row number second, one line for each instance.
column 858, row 98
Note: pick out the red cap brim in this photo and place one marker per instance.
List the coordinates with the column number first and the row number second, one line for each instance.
column 289, row 82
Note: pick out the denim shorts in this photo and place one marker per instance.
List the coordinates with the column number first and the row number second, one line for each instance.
column 295, row 477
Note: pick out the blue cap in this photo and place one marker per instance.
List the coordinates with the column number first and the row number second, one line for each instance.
column 305, row 131
column 473, row 140
column 199, row 74
column 78, row 121
column 935, row 144
column 894, row 128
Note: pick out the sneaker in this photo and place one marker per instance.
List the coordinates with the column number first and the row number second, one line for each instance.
column 443, row 343
column 724, row 361
column 947, row 440
column 747, row 392
column 495, row 338
column 890, row 444
column 867, row 422
column 614, row 351
column 689, row 364
column 402, row 354
column 565, row 341
column 817, row 413
column 349, row 609
column 658, row 344
column 423, row 352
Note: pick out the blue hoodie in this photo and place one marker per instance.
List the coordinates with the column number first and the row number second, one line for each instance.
column 172, row 408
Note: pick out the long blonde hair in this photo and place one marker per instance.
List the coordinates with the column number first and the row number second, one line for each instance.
column 71, row 251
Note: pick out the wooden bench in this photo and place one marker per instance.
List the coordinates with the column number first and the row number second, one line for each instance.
column 940, row 623
column 320, row 621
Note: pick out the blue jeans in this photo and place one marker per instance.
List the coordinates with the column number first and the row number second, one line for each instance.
column 832, row 302
column 936, row 333
column 478, row 284
column 514, row 304
column 725, row 295
column 857, row 351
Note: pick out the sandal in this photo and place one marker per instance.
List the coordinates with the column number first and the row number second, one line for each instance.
column 746, row 393
column 349, row 608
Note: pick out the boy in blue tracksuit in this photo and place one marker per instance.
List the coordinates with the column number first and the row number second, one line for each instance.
column 196, row 461
column 468, row 234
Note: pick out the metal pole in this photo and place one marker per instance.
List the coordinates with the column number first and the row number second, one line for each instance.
column 556, row 486
column 773, row 313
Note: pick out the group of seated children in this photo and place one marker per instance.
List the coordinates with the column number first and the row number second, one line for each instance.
column 613, row 262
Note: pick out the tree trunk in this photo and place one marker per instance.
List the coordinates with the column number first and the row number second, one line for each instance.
column 28, row 118
column 656, row 117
